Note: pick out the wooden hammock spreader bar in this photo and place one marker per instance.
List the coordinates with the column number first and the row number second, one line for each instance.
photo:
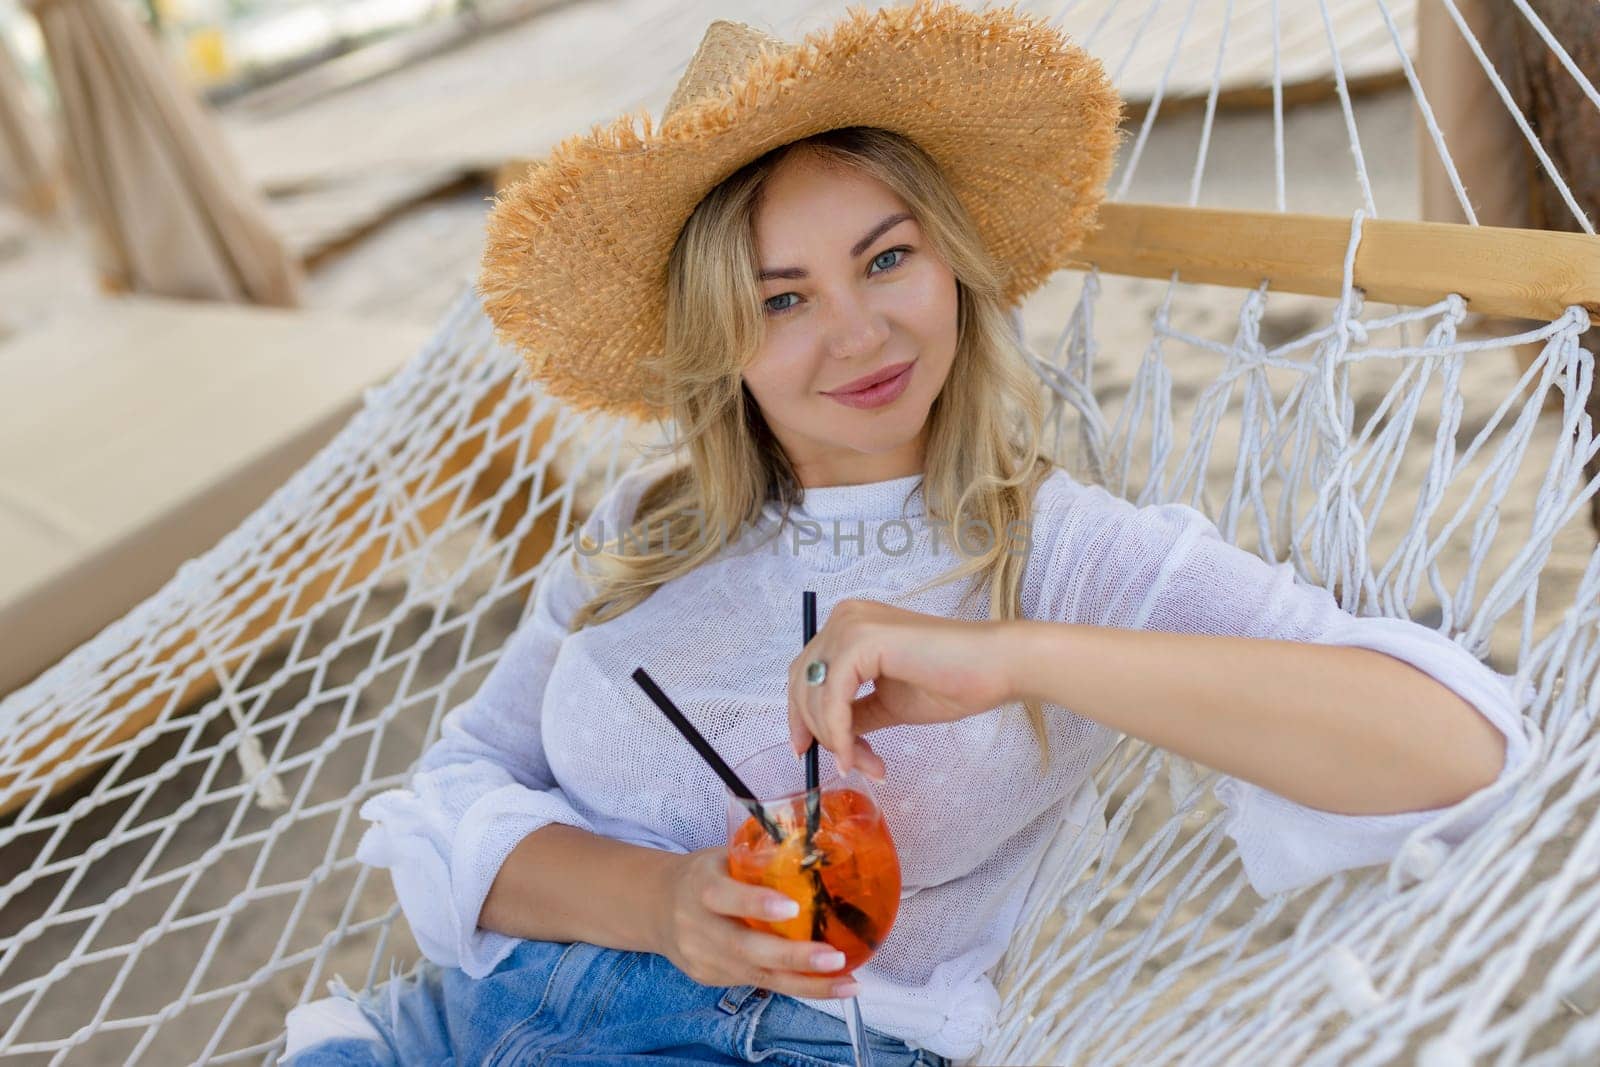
column 1535, row 274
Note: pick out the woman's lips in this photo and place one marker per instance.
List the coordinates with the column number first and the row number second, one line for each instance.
column 875, row 396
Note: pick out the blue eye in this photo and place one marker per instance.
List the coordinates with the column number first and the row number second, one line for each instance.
column 902, row 250
column 891, row 252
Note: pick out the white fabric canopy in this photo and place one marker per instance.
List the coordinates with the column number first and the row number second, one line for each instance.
column 171, row 212
column 27, row 168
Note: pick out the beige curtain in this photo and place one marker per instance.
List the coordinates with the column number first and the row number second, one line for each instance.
column 171, row 212
column 27, row 171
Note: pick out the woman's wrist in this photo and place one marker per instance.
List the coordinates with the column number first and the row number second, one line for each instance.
column 658, row 919
column 562, row 883
column 1017, row 650
column 1033, row 655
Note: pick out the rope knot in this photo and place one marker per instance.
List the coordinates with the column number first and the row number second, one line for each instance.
column 1351, row 983
column 1444, row 1050
column 1421, row 858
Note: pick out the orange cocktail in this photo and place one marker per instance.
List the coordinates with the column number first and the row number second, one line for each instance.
column 847, row 883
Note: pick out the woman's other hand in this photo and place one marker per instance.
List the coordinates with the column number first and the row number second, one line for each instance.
column 924, row 669
column 699, row 930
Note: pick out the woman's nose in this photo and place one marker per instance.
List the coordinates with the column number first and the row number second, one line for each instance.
column 855, row 329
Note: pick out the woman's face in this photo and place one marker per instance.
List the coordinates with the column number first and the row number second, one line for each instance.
column 849, row 289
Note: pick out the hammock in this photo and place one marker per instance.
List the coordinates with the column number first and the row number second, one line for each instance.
column 181, row 792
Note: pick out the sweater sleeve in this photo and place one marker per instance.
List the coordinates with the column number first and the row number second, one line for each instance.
column 1167, row 567
column 486, row 783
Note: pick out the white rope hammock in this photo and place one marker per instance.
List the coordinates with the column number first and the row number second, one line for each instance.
column 182, row 790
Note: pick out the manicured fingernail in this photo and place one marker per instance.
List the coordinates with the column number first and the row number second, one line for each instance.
column 782, row 909
column 828, row 961
column 847, row 989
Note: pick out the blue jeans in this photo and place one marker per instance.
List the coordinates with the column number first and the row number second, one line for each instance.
column 552, row 1004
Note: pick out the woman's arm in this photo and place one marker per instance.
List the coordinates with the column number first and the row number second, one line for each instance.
column 565, row 884
column 1145, row 620
column 1342, row 729
column 485, row 787
column 1166, row 571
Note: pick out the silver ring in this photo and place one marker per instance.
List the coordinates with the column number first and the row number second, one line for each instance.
column 816, row 672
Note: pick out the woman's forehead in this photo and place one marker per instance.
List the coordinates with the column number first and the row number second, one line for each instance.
column 822, row 211
column 806, row 177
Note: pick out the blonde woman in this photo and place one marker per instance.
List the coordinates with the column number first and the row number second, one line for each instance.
column 810, row 270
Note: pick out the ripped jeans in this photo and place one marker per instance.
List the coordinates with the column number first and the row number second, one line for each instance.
column 553, row 1004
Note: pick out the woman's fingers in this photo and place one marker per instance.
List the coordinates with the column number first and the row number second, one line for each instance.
column 803, row 724
column 923, row 670
column 870, row 763
column 843, row 740
column 800, row 735
column 715, row 947
column 837, row 701
column 780, row 954
column 795, row 968
column 805, row 987
column 731, row 897
column 824, row 711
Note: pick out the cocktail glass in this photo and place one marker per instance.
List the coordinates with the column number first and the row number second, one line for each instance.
column 837, row 859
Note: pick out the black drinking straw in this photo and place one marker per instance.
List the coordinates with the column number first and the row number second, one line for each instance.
column 707, row 753
column 808, row 626
column 853, row 918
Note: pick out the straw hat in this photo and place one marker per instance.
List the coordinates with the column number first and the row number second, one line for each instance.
column 1022, row 123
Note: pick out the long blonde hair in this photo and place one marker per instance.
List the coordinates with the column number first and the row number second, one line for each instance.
column 979, row 468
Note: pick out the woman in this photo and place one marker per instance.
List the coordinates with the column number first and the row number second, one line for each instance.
column 827, row 328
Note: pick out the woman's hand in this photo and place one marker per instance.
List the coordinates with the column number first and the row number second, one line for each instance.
column 699, row 931
column 924, row 669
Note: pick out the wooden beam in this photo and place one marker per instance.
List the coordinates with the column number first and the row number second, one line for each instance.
column 1534, row 274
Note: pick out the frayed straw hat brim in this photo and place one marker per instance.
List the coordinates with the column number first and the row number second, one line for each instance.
column 1022, row 123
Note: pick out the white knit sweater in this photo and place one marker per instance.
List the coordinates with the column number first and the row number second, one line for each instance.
column 559, row 732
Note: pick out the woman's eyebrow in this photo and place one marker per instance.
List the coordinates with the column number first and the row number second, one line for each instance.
column 884, row 225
